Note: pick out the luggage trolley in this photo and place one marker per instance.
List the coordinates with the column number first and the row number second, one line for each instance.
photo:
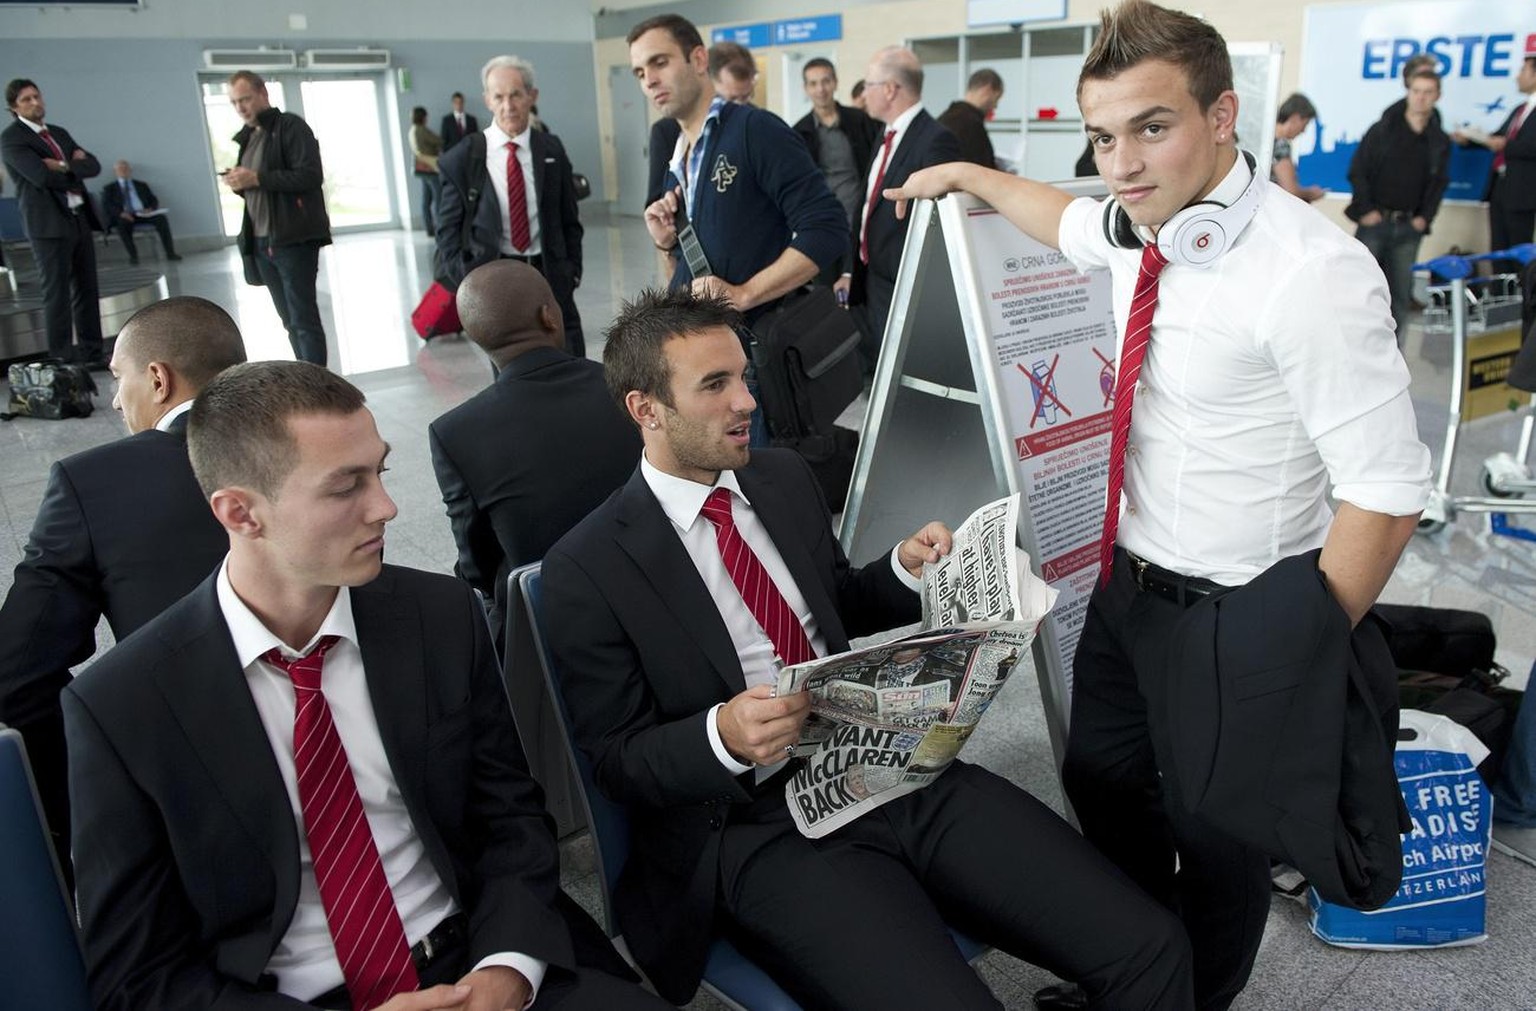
column 1468, row 305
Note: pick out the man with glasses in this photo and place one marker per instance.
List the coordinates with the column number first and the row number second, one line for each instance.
column 516, row 187
column 912, row 139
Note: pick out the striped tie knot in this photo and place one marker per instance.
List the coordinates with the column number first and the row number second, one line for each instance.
column 304, row 670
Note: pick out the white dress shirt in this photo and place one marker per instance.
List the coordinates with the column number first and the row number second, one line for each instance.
column 164, row 422
column 305, row 961
column 496, row 166
column 683, row 502
column 1270, row 375
column 900, row 125
column 74, row 199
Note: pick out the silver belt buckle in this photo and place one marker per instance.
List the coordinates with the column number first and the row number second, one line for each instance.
column 1140, row 566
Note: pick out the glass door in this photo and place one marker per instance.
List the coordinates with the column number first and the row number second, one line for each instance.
column 347, row 116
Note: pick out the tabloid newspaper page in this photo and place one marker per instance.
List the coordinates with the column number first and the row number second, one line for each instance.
column 889, row 719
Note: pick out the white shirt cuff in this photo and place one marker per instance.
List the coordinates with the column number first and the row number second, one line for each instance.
column 907, row 579
column 531, row 968
column 732, row 766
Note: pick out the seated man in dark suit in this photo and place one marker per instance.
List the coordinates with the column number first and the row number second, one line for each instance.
column 129, row 203
column 248, row 834
column 122, row 531
column 668, row 666
column 521, row 461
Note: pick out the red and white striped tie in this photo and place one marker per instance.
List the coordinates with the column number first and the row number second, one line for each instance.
column 1138, row 334
column 359, row 907
column 762, row 598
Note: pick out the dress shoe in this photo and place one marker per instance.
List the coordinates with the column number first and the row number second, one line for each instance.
column 1061, row 995
column 133, row 261
column 172, row 257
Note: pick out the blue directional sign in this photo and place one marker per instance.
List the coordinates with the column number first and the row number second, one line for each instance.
column 826, row 28
column 757, row 36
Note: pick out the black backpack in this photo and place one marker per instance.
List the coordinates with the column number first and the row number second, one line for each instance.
column 50, row 389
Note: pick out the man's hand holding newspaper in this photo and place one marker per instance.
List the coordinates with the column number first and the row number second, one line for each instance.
column 888, row 719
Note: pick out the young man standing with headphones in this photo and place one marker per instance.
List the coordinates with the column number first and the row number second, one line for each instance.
column 1257, row 355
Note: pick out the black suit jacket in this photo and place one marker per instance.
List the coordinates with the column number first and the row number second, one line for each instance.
column 123, row 531
column 451, row 133
column 1519, row 191
column 969, row 125
column 41, row 192
column 560, row 228
column 925, row 143
column 1283, row 721
column 644, row 655
column 523, row 460
column 186, row 843
column 112, row 198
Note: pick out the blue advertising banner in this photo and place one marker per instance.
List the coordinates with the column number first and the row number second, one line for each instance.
column 1352, row 63
column 757, row 36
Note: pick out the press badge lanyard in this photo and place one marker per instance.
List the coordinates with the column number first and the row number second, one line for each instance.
column 693, row 167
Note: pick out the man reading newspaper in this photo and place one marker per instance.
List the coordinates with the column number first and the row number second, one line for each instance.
column 889, row 719
column 669, row 668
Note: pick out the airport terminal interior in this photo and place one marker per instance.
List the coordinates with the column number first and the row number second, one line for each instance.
column 381, row 263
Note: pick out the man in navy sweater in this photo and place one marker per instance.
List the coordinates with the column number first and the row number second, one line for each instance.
column 764, row 217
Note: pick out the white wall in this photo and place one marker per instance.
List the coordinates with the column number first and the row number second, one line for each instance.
column 367, row 21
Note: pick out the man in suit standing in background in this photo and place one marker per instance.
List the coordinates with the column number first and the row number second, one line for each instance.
column 967, row 117
column 1511, row 189
column 893, row 94
column 458, row 124
column 523, row 460
column 122, row 531
column 533, row 217
column 126, row 202
column 302, row 783
column 49, row 170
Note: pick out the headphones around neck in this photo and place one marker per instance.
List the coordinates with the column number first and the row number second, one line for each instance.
column 1199, row 234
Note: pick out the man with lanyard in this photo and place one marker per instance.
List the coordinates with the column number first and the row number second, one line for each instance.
column 1243, row 393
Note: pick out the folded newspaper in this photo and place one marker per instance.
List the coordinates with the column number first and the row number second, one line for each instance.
column 888, row 719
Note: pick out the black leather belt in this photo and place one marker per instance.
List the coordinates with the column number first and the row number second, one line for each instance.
column 536, row 262
column 445, row 937
column 1182, row 590
column 1395, row 215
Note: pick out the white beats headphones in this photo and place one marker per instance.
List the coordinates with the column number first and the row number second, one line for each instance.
column 1198, row 234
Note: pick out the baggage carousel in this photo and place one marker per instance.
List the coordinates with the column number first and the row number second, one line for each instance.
column 124, row 291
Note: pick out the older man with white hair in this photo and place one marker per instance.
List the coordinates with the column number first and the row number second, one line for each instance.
column 533, row 217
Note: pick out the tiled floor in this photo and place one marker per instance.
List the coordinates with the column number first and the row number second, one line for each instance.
column 371, row 281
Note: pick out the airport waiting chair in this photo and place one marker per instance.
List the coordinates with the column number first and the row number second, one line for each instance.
column 728, row 975
column 40, row 960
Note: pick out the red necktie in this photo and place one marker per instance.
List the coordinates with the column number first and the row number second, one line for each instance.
column 874, row 196
column 58, row 152
column 517, row 199
column 763, row 599
column 1515, row 123
column 1138, row 334
column 359, row 907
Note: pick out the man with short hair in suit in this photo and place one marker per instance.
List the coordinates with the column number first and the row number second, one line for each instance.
column 893, row 94
column 966, row 117
column 127, row 202
column 49, row 170
column 523, row 460
column 1511, row 188
column 668, row 672
column 533, row 216
column 458, row 124
column 301, row 783
column 122, row 531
